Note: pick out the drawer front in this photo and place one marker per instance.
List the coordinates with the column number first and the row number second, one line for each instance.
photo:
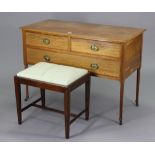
column 96, row 47
column 49, row 41
column 95, row 65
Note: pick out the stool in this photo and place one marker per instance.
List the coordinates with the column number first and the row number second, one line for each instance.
column 53, row 77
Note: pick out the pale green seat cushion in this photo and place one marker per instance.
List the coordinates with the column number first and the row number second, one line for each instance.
column 53, row 73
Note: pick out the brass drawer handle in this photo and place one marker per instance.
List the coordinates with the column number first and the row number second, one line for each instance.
column 47, row 58
column 94, row 66
column 46, row 41
column 94, row 48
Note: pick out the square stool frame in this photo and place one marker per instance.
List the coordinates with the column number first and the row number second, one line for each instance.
column 49, row 86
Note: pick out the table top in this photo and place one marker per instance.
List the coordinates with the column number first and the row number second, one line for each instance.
column 85, row 30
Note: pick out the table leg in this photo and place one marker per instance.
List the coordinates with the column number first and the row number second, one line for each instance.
column 67, row 112
column 137, row 87
column 27, row 89
column 121, row 102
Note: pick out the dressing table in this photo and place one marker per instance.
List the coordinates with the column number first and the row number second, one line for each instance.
column 111, row 52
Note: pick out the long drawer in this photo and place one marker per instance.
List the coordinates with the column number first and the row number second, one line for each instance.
column 98, row 66
column 48, row 41
column 93, row 47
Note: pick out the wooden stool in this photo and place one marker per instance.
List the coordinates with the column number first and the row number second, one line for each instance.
column 54, row 77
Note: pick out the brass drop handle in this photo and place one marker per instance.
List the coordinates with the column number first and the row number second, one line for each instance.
column 94, row 48
column 46, row 41
column 94, row 66
column 47, row 58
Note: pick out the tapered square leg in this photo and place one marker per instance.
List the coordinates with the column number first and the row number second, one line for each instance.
column 42, row 92
column 18, row 99
column 121, row 102
column 67, row 112
column 26, row 89
column 137, row 87
column 87, row 98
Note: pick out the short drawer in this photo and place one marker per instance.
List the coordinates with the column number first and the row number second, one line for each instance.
column 95, row 65
column 49, row 41
column 96, row 47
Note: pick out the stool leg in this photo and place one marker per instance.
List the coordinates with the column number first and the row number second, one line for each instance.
column 67, row 112
column 27, row 93
column 42, row 92
column 137, row 87
column 87, row 99
column 18, row 99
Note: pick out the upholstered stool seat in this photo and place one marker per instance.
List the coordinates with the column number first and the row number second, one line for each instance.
column 57, row 78
column 53, row 73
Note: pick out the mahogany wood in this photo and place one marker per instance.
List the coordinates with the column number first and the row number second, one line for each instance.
column 137, row 87
column 67, row 112
column 77, row 116
column 66, row 90
column 27, row 89
column 87, row 99
column 121, row 102
column 30, row 105
column 42, row 92
column 18, row 99
column 112, row 52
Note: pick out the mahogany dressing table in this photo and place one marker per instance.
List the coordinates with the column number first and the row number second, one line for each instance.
column 111, row 52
